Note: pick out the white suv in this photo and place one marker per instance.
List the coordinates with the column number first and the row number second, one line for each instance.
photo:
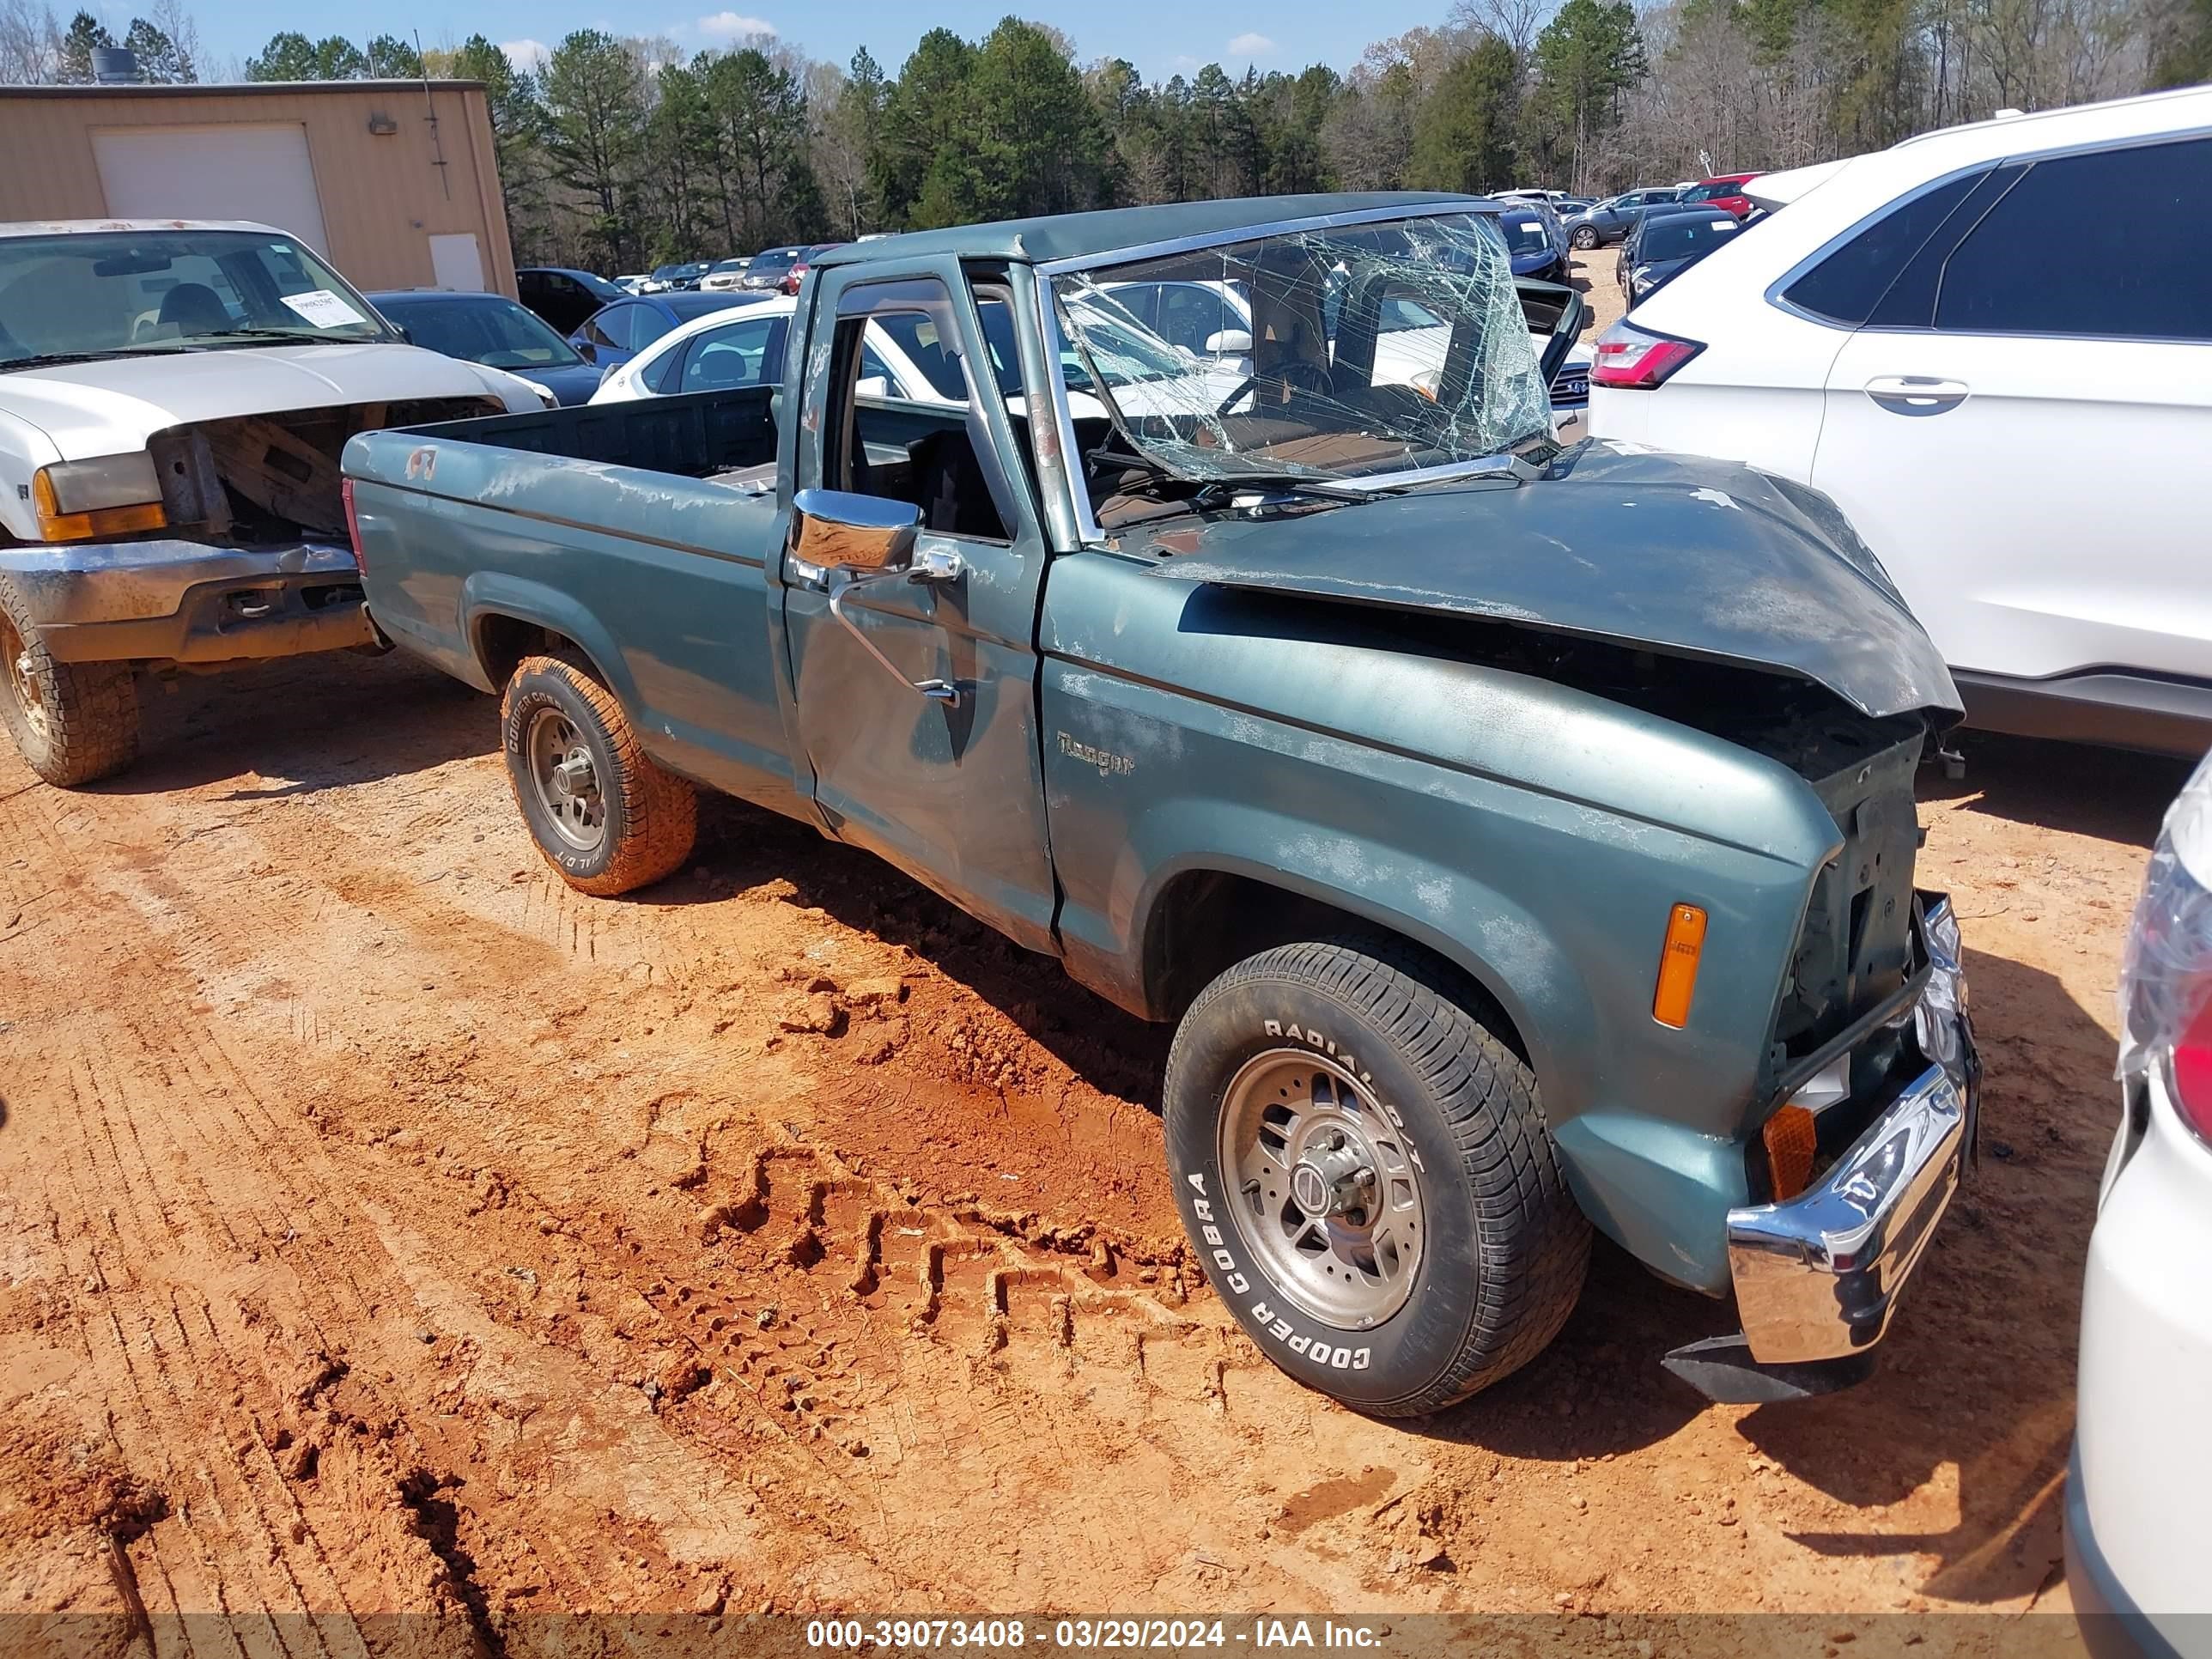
column 1992, row 346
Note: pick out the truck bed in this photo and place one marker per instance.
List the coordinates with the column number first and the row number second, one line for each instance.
column 636, row 532
column 692, row 436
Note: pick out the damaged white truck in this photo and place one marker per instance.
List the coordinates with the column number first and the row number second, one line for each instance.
column 173, row 398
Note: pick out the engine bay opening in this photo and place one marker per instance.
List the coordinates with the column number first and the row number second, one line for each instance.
column 270, row 478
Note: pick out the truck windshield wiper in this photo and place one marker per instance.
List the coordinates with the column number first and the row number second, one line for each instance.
column 48, row 359
column 309, row 336
column 1256, row 477
column 1334, row 489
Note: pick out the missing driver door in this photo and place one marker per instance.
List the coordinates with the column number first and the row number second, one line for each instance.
column 905, row 404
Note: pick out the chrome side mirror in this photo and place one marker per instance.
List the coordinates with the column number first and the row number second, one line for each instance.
column 840, row 530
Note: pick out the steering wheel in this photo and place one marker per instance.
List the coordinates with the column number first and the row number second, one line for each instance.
column 1297, row 373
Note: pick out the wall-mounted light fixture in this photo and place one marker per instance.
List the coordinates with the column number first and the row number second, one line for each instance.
column 382, row 124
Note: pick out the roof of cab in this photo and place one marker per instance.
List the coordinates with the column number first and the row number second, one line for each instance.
column 86, row 226
column 1083, row 235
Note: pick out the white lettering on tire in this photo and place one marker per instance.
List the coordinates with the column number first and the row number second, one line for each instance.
column 1267, row 1321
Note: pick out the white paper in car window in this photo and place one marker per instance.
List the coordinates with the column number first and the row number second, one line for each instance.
column 1530, row 224
column 1723, row 224
column 322, row 308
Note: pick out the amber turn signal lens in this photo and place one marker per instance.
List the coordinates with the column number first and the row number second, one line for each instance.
column 1791, row 1138
column 1678, row 966
column 56, row 525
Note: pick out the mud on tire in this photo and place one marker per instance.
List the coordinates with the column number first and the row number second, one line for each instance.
column 1499, row 1257
column 74, row 722
column 646, row 818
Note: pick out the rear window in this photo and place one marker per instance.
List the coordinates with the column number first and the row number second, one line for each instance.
column 1688, row 237
column 1846, row 286
column 1524, row 233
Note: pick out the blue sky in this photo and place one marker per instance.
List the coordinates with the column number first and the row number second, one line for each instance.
column 1161, row 37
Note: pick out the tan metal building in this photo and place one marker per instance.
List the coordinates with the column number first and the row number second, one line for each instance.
column 396, row 181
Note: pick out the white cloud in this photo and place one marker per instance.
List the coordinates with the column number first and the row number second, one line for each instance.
column 525, row 54
column 1251, row 45
column 733, row 26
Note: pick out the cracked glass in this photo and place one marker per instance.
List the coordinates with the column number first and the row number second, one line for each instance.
column 1347, row 352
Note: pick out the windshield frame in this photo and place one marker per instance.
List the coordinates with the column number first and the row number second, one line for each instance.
column 1057, row 344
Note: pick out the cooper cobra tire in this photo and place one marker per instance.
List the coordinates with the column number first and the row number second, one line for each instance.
column 74, row 722
column 1498, row 1247
column 613, row 820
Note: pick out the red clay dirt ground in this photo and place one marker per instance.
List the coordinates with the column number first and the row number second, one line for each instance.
column 385, row 1227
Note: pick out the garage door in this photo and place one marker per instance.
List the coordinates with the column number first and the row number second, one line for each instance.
column 256, row 172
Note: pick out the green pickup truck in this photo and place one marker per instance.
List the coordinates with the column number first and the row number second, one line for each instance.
column 1521, row 836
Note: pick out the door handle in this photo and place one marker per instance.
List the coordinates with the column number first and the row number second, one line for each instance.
column 1915, row 394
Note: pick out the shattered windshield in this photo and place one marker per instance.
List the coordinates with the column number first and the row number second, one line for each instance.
column 1351, row 351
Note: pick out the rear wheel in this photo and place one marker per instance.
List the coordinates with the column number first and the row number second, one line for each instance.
column 604, row 815
column 74, row 722
column 1366, row 1174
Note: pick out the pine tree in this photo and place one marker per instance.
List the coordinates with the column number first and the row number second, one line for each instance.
column 85, row 31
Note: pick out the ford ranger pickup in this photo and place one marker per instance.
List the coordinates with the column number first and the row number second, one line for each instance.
column 1520, row 837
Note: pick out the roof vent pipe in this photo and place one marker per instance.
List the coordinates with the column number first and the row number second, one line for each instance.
column 116, row 66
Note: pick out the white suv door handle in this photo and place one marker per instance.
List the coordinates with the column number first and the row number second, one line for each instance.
column 1915, row 394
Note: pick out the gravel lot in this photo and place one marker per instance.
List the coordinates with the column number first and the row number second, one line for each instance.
column 385, row 1227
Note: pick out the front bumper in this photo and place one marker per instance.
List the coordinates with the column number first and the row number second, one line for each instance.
column 1817, row 1278
column 170, row 600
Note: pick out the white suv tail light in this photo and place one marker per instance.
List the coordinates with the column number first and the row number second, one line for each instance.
column 2165, row 979
column 1633, row 359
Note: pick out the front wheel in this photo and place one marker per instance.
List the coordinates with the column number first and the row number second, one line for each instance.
column 1585, row 237
column 1366, row 1174
column 605, row 816
column 74, row 722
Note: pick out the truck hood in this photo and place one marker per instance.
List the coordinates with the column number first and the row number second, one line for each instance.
column 1672, row 553
column 112, row 405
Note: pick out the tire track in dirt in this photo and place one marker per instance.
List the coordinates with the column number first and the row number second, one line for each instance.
column 1025, row 1321
column 306, row 1074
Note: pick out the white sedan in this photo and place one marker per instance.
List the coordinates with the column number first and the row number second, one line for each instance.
column 901, row 358
column 2139, row 1490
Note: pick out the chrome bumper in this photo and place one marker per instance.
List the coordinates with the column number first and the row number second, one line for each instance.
column 1818, row 1277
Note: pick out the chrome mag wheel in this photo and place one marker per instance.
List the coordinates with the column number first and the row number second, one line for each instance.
column 567, row 780
column 1331, row 1201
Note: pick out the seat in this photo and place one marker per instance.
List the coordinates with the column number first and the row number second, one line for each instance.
column 194, row 308
column 951, row 490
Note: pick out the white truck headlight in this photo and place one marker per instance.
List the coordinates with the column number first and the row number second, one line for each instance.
column 107, row 495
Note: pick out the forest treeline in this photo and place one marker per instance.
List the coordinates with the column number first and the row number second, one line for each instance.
column 619, row 153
